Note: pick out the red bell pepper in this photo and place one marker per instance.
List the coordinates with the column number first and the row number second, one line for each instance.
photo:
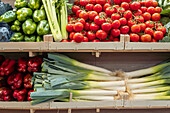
column 22, row 65
column 15, row 80
column 7, row 67
column 27, row 81
column 29, row 93
column 34, row 64
column 20, row 95
column 5, row 94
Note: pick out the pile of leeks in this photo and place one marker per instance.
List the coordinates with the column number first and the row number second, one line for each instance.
column 62, row 75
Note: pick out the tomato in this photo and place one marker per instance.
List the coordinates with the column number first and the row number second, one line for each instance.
column 128, row 1
column 158, row 24
column 138, row 13
column 158, row 10
column 116, row 24
column 89, row 7
column 115, row 32
column 75, row 8
column 116, row 40
column 110, row 10
column 71, row 35
column 151, row 10
column 97, row 8
column 115, row 6
column 106, row 6
column 121, row 10
column 108, row 1
column 123, row 21
column 125, row 5
column 158, row 35
column 81, row 20
column 76, row 2
column 84, row 15
column 143, row 9
column 99, row 20
column 94, row 27
column 78, row 27
column 109, row 20
column 142, row 26
column 154, row 3
column 135, row 28
column 146, row 16
column 146, row 38
column 85, row 39
column 101, row 2
column 128, row 14
column 139, row 19
column 69, row 18
column 96, row 40
column 124, row 29
column 83, row 2
column 90, row 35
column 111, row 37
column 117, row 2
column 153, row 40
column 106, row 26
column 149, row 31
column 161, row 28
column 92, row 14
column 72, row 41
column 92, row 2
column 84, row 33
column 156, row 17
column 131, row 22
column 134, row 6
column 69, row 27
column 64, row 40
column 150, row 24
column 115, row 16
column 100, row 34
column 78, row 12
column 78, row 37
column 87, row 26
column 134, row 37
column 103, row 14
column 149, row 3
column 142, row 3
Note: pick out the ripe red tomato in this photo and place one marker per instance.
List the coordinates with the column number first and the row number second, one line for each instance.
column 96, row 40
column 84, row 33
column 143, row 9
column 100, row 34
column 161, row 28
column 115, row 16
column 97, row 8
column 106, row 6
column 78, row 27
column 75, row 8
column 142, row 26
column 134, row 37
column 131, row 22
column 84, row 15
column 117, row 2
column 78, row 37
column 135, row 28
column 94, row 27
column 108, row 1
column 103, row 14
column 116, row 6
column 146, row 16
column 134, row 6
column 128, row 14
column 149, row 3
column 101, row 2
column 149, row 31
column 69, row 18
column 91, row 35
column 158, row 35
column 92, row 14
column 109, row 20
column 156, row 17
column 106, row 26
column 72, row 41
column 116, row 40
column 89, row 7
column 158, row 10
column 139, row 19
column 142, row 3
column 115, row 32
column 110, row 10
column 138, row 13
column 78, row 12
column 128, row 1
column 85, row 39
column 87, row 26
column 111, row 37
column 158, row 24
column 76, row 2
column 83, row 2
column 124, row 29
column 146, row 38
column 123, row 21
column 92, row 2
column 116, row 24
column 155, row 3
column 64, row 40
column 81, row 20
column 151, row 10
column 120, row 10
column 150, row 24
column 71, row 35
column 125, row 5
column 69, row 27
column 153, row 40
column 99, row 20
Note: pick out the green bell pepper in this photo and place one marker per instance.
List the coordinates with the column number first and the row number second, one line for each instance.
column 15, row 28
column 39, row 39
column 9, row 16
column 17, row 37
column 24, row 13
column 39, row 15
column 34, row 4
column 29, row 27
column 17, row 23
column 43, row 27
column 31, row 38
column 20, row 3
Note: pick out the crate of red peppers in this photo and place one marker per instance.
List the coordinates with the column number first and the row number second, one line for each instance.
column 15, row 77
column 100, row 21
